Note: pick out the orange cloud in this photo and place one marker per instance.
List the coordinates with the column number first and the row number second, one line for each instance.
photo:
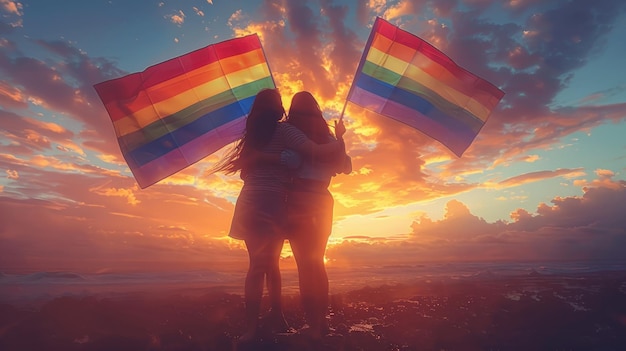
column 11, row 96
column 12, row 174
column 177, row 18
column 69, row 145
column 128, row 194
column 198, row 11
column 605, row 173
column 604, row 180
column 540, row 175
column 402, row 8
column 48, row 126
column 531, row 158
column 377, row 6
column 12, row 7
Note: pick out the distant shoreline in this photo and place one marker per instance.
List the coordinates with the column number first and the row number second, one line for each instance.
column 576, row 310
column 45, row 286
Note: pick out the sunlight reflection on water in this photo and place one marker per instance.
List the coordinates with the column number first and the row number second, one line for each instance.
column 45, row 285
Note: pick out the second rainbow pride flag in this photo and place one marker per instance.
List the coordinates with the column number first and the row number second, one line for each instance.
column 403, row 77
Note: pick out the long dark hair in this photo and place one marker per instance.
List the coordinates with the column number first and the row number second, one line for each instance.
column 305, row 114
column 267, row 110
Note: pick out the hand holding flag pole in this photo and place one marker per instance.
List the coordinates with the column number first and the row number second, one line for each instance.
column 340, row 129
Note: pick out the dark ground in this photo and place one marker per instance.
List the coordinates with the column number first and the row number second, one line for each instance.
column 534, row 312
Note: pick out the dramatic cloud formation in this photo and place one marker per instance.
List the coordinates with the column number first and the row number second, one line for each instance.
column 68, row 198
column 587, row 227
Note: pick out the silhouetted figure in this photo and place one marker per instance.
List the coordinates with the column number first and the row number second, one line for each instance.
column 310, row 209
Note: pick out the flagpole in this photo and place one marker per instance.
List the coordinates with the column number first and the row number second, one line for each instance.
column 360, row 66
column 343, row 110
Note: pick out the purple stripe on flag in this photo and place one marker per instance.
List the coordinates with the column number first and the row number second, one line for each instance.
column 457, row 142
column 187, row 154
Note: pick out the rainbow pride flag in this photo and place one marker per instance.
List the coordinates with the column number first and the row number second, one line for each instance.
column 177, row 112
column 403, row 77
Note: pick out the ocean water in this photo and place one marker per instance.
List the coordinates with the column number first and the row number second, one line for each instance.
column 343, row 279
column 47, row 285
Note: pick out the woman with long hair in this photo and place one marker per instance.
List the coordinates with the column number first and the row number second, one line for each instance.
column 260, row 211
column 310, row 209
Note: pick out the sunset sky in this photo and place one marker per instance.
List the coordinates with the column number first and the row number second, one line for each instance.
column 544, row 179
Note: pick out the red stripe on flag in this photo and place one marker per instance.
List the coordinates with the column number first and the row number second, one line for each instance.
column 405, row 38
column 127, row 87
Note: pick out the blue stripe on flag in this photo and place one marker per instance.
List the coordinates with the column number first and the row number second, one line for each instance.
column 416, row 102
column 171, row 141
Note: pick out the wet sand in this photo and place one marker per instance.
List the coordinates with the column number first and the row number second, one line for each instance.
column 532, row 312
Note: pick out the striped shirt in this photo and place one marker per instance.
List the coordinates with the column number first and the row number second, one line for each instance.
column 274, row 177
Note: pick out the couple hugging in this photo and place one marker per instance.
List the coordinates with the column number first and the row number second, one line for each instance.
column 286, row 164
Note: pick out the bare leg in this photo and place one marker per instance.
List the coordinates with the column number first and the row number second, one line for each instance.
column 275, row 318
column 313, row 282
column 253, row 290
column 274, row 280
column 311, row 220
column 264, row 267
